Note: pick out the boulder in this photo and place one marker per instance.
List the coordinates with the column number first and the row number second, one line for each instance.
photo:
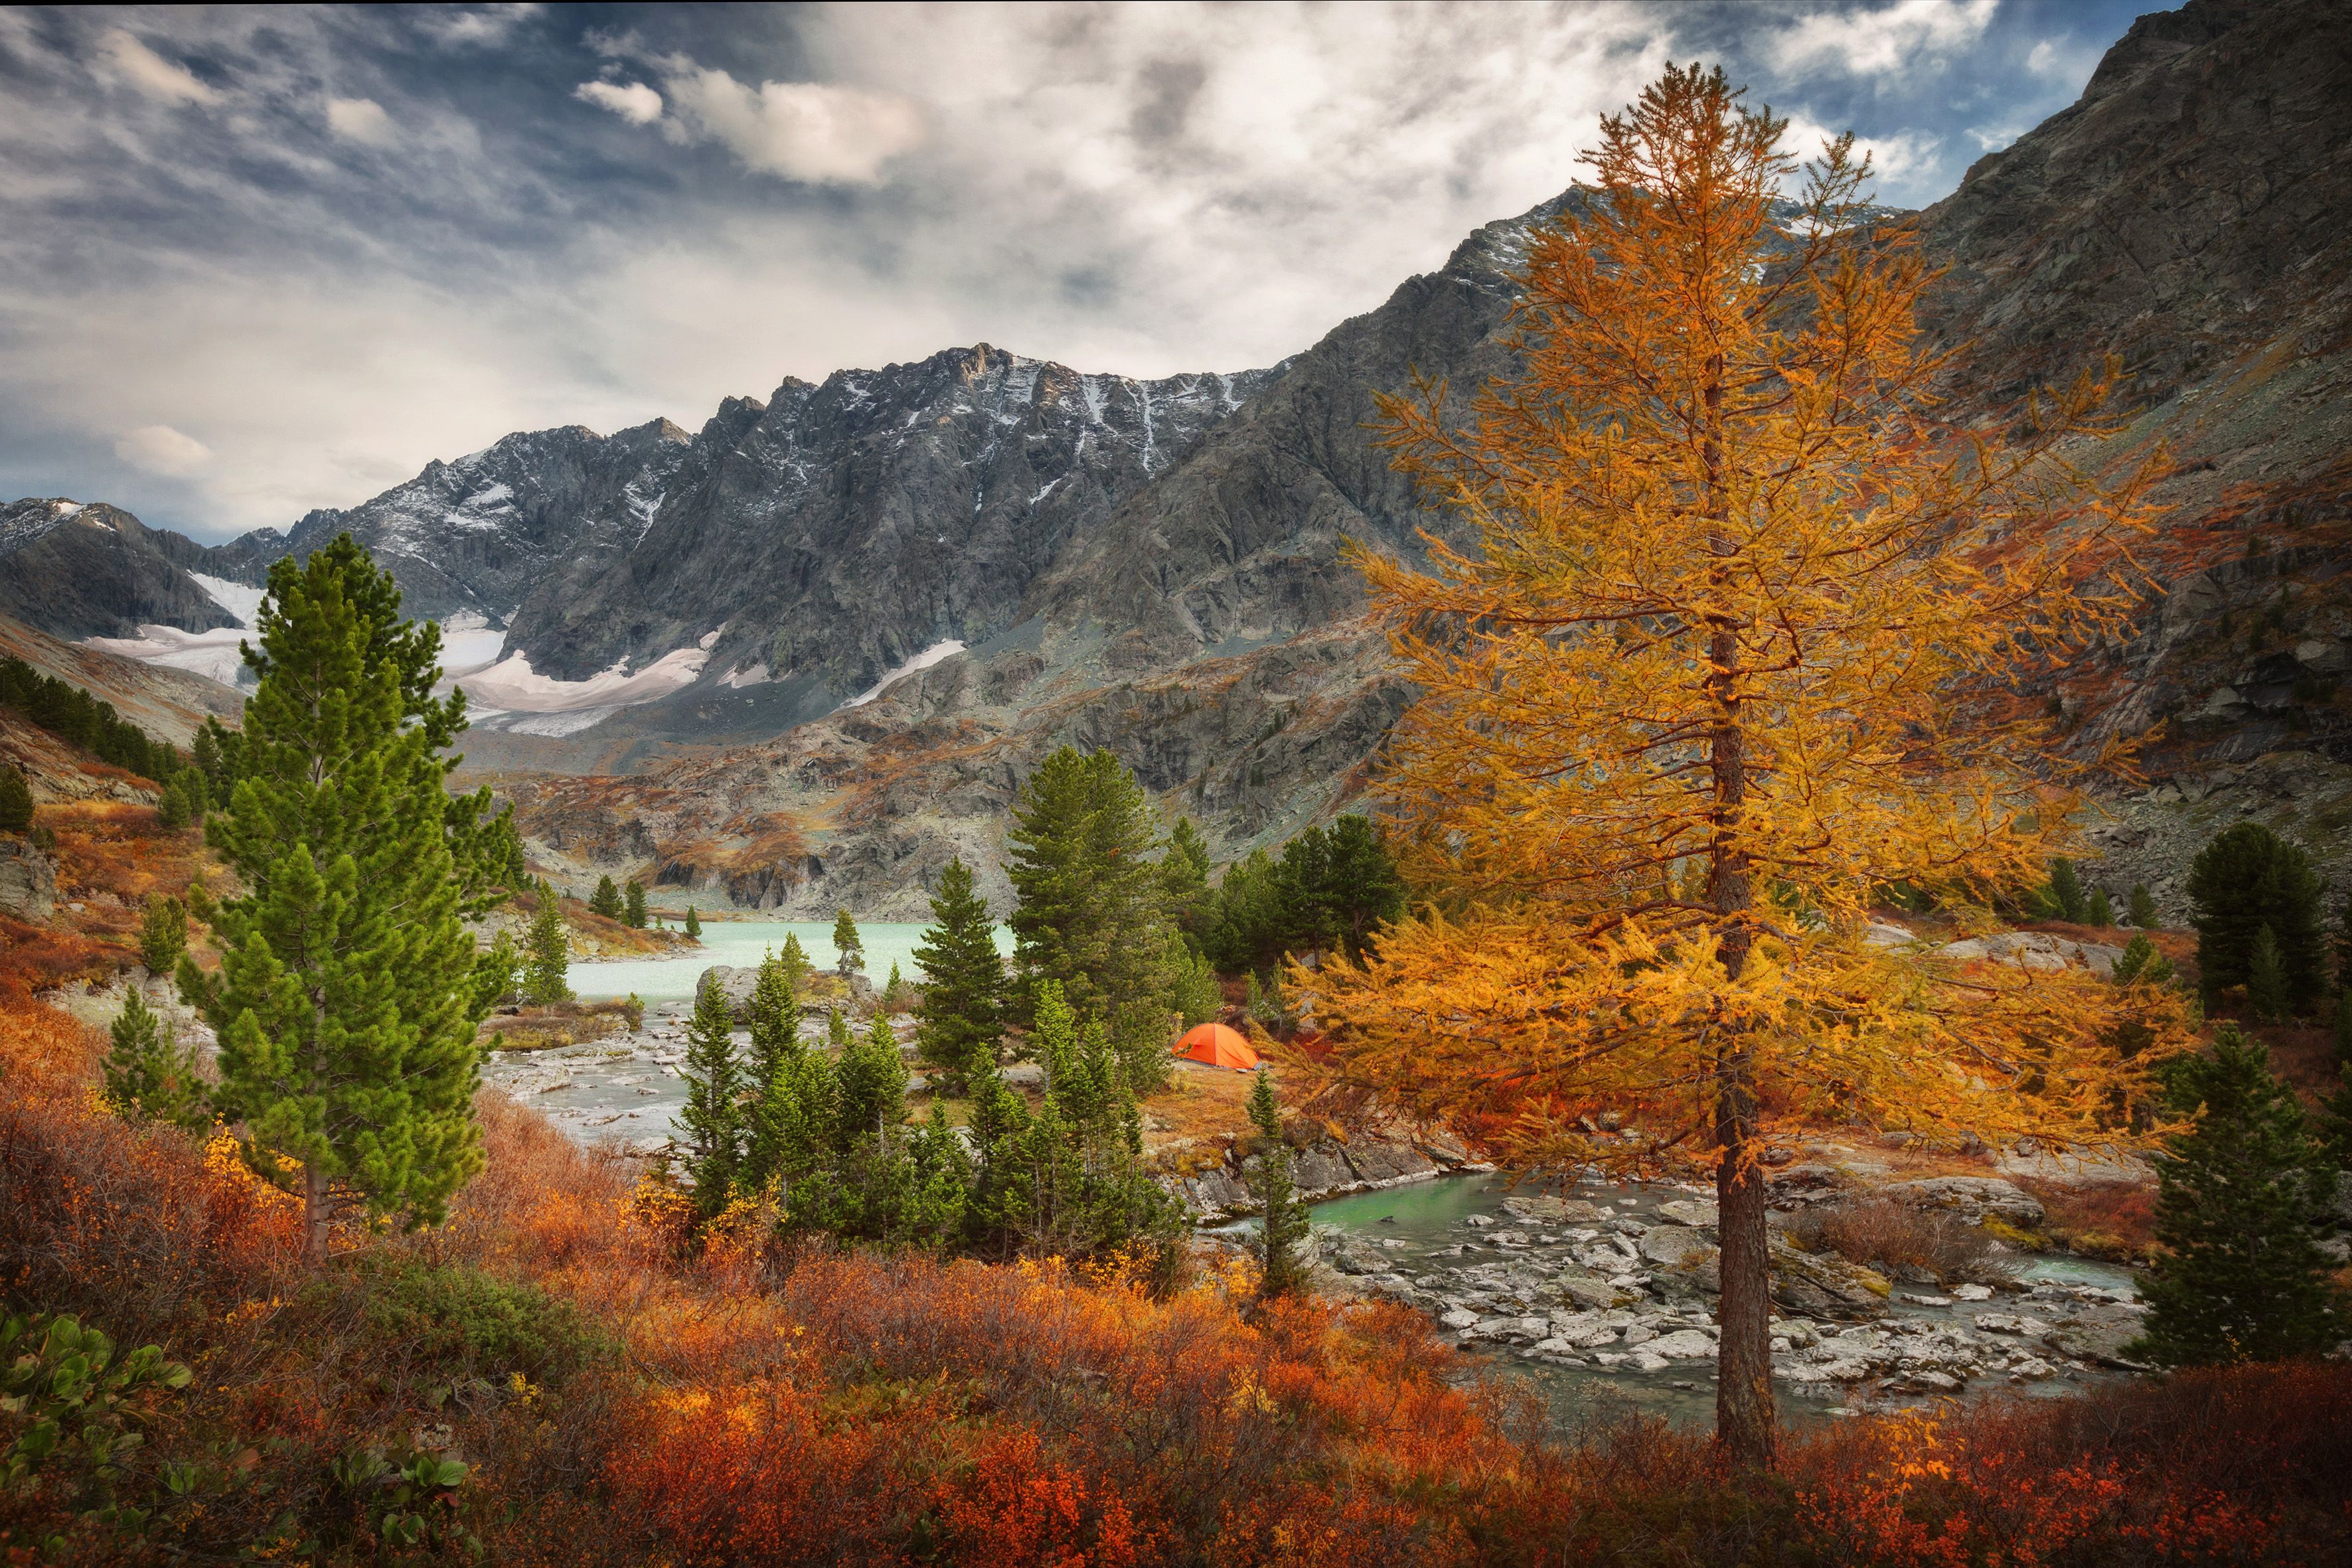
column 824, row 992
column 1669, row 1244
column 1972, row 1197
column 1683, row 1344
column 1321, row 1169
column 1383, row 1164
column 1543, row 1209
column 1690, row 1212
column 2033, row 950
column 29, row 883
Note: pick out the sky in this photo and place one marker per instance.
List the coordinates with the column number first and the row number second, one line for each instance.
column 258, row 260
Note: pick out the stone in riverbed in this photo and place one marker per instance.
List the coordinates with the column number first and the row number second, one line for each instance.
column 1381, row 1163
column 1539, row 1209
column 1682, row 1344
column 1972, row 1197
column 1669, row 1244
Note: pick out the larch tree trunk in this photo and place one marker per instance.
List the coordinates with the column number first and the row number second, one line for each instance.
column 1744, row 1418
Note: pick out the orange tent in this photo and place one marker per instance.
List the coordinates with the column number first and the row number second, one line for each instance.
column 1218, row 1047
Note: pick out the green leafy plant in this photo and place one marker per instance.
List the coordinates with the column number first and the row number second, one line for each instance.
column 77, row 1407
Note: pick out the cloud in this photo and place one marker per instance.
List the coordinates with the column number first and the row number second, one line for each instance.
column 1882, row 42
column 123, row 59
column 633, row 101
column 360, row 119
column 818, row 132
column 486, row 28
column 160, row 449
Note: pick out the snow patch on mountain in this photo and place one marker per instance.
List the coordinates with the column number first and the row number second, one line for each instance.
column 931, row 655
column 213, row 655
column 240, row 599
column 512, row 686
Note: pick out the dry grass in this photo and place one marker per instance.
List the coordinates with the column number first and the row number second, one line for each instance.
column 2110, row 1220
column 564, row 1024
column 1893, row 1237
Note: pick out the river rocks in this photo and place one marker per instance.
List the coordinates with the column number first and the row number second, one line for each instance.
column 29, row 883
column 1552, row 1210
column 1974, row 1198
column 2033, row 950
column 1687, row 1211
column 1669, row 1244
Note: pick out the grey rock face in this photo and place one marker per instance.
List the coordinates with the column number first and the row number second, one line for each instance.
column 29, row 883
column 76, row 571
column 483, row 532
column 837, row 530
column 1972, row 1197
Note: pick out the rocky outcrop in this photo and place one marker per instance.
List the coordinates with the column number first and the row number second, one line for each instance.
column 82, row 570
column 823, row 991
column 28, row 880
column 1215, row 1183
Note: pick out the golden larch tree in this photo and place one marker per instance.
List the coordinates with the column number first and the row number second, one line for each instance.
column 1738, row 650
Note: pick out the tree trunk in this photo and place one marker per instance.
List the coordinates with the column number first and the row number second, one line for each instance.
column 315, row 1213
column 1744, row 1418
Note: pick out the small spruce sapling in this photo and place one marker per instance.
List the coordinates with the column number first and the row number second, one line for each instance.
column 693, row 924
column 848, row 945
column 606, row 899
column 2143, row 907
column 633, row 906
column 1286, row 1218
column 498, row 972
column 149, row 1076
column 2101, row 913
column 546, row 977
column 15, row 802
column 711, row 1118
column 2239, row 1197
column 796, row 960
column 162, row 934
column 2065, row 891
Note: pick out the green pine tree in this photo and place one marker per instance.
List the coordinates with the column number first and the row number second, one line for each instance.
column 172, row 808
column 1285, row 1217
column 498, row 972
column 606, row 899
column 1184, row 879
column 712, row 1117
column 2143, row 907
column 149, row 1076
column 547, row 972
column 847, row 947
column 2101, row 912
column 1001, row 1201
column 633, row 906
column 2239, row 1198
column 960, row 1022
column 344, row 1002
column 776, row 1053
column 872, row 1079
column 15, row 802
column 2266, row 980
column 796, row 960
column 1092, row 913
column 2065, row 892
column 1197, row 997
column 162, row 934
column 1365, row 891
column 693, row 924
column 2245, row 879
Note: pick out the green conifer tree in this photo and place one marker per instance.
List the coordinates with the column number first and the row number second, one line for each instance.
column 633, row 905
column 2266, row 979
column 2245, row 879
column 162, row 934
column 2101, row 913
column 2065, row 892
column 547, row 973
column 796, row 960
column 693, row 924
column 848, row 948
column 1364, row 890
column 2143, row 907
column 2239, row 1195
column 149, row 1076
column 1002, row 1191
column 959, row 1021
column 15, row 802
column 1286, row 1217
column 1184, row 880
column 498, row 972
column 1092, row 915
column 873, row 1077
column 171, row 807
column 344, row 1002
column 776, row 1052
column 712, row 1117
column 1197, row 997
column 606, row 899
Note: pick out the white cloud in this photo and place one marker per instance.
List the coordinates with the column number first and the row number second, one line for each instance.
column 485, row 27
column 123, row 59
column 160, row 449
column 819, row 132
column 360, row 119
column 633, row 101
column 1882, row 42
